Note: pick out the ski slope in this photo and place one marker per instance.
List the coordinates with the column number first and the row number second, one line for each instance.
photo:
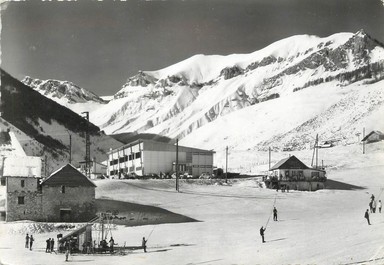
column 323, row 227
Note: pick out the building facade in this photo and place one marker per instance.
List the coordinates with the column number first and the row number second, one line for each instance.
column 146, row 157
column 65, row 196
column 293, row 174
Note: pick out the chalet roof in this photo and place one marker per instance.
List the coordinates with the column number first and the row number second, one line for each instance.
column 291, row 162
column 68, row 176
column 373, row 132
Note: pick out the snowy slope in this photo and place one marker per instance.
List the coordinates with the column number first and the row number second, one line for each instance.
column 178, row 100
column 324, row 227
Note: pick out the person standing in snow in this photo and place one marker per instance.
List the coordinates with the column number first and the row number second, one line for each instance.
column 274, row 214
column 371, row 206
column 262, row 230
column 27, row 241
column 374, row 206
column 144, row 244
column 52, row 244
column 111, row 243
column 67, row 249
column 379, row 206
column 48, row 246
column 372, row 197
column 31, row 242
column 366, row 216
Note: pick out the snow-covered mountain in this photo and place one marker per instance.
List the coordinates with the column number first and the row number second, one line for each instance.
column 66, row 94
column 310, row 79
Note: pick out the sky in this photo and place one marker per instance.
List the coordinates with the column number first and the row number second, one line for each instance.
column 98, row 45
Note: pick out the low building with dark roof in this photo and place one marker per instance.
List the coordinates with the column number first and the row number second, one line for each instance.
column 65, row 196
column 291, row 173
column 373, row 136
column 68, row 196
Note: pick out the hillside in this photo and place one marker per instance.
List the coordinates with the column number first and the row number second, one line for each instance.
column 49, row 125
column 202, row 94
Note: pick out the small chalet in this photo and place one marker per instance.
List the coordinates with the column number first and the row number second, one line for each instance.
column 291, row 173
column 373, row 136
column 68, row 195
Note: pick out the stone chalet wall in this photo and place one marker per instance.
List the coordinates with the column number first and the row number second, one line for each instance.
column 31, row 209
column 80, row 200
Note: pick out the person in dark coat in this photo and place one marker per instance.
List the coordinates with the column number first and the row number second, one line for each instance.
column 48, row 246
column 371, row 206
column 144, row 244
column 67, row 247
column 366, row 216
column 31, row 239
column 52, row 244
column 274, row 214
column 111, row 243
column 262, row 230
column 27, row 241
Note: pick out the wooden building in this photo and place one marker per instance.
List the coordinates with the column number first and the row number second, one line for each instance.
column 373, row 136
column 291, row 173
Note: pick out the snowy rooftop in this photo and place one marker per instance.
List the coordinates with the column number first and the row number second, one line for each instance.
column 24, row 166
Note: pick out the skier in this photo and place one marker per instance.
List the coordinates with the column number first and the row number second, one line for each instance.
column 262, row 230
column 143, row 244
column 274, row 214
column 366, row 216
column 374, row 206
column 371, row 206
column 372, row 197
column 379, row 206
column 31, row 242
column 27, row 241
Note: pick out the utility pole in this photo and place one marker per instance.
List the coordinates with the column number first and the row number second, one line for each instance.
column 269, row 158
column 177, row 165
column 87, row 147
column 226, row 164
column 364, row 141
column 70, row 148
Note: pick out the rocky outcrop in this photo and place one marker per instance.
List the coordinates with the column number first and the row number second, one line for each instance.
column 231, row 72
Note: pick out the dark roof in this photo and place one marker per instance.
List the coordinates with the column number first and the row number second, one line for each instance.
column 373, row 132
column 291, row 162
column 68, row 176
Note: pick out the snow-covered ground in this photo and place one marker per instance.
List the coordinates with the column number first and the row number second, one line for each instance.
column 323, row 227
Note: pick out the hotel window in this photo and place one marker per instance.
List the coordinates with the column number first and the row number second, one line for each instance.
column 20, row 200
column 22, row 183
column 63, row 189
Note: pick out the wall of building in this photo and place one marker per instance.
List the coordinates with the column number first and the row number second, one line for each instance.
column 298, row 174
column 31, row 209
column 147, row 158
column 80, row 201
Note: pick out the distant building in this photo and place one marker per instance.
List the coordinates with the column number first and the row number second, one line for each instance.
column 293, row 174
column 146, row 157
column 66, row 195
column 97, row 169
column 373, row 136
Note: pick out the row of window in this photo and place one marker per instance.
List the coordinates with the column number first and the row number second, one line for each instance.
column 125, row 158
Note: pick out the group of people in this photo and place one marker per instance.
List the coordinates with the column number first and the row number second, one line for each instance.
column 372, row 208
column 29, row 241
column 50, row 245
